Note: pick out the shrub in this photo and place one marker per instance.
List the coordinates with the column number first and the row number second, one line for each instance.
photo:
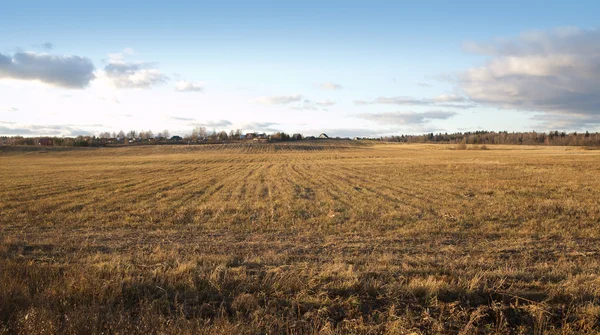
column 461, row 146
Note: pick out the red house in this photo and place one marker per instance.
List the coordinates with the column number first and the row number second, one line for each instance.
column 46, row 142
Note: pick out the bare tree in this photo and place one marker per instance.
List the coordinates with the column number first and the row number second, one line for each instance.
column 198, row 133
column 202, row 132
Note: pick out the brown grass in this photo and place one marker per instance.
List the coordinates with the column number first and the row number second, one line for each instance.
column 321, row 237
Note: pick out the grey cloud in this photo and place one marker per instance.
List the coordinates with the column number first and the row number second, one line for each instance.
column 394, row 101
column 406, row 118
column 549, row 122
column 48, row 46
column 14, row 131
column 215, row 124
column 80, row 132
column 297, row 102
column 554, row 71
column 260, row 126
column 46, row 130
column 34, row 130
column 134, row 75
column 178, row 118
column 540, row 42
column 444, row 100
column 63, row 71
column 208, row 124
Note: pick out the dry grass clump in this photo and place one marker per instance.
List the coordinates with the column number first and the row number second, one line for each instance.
column 261, row 239
column 460, row 146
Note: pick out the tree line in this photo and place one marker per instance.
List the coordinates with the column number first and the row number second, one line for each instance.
column 503, row 137
column 197, row 135
column 202, row 135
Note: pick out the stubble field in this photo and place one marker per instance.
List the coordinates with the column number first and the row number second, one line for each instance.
column 313, row 237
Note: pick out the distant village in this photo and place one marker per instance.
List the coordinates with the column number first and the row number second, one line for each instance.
column 200, row 135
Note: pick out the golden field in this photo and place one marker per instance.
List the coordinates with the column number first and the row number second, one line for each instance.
column 311, row 237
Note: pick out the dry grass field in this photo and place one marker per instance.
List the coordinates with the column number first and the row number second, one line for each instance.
column 323, row 237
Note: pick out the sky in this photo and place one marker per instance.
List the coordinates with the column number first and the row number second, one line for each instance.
column 346, row 68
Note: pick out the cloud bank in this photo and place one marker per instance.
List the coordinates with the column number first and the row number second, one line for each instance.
column 555, row 71
column 444, row 100
column 62, row 71
column 406, row 118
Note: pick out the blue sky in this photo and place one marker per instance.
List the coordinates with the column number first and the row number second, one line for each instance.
column 348, row 68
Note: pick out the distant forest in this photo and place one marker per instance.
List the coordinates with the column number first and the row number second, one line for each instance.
column 200, row 135
column 502, row 137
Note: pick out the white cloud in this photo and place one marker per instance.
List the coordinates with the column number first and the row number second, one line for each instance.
column 279, row 99
column 187, row 86
column 124, row 74
column 134, row 75
column 449, row 98
column 128, row 51
column 313, row 105
column 325, row 103
column 554, row 71
column 330, row 86
column 118, row 57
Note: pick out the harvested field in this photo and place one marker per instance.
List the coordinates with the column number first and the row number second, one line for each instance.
column 311, row 237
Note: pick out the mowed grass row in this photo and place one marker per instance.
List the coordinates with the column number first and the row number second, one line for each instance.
column 314, row 237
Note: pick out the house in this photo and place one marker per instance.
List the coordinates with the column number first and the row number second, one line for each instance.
column 46, row 142
column 176, row 138
column 323, row 135
column 249, row 136
column 261, row 136
column 297, row 136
